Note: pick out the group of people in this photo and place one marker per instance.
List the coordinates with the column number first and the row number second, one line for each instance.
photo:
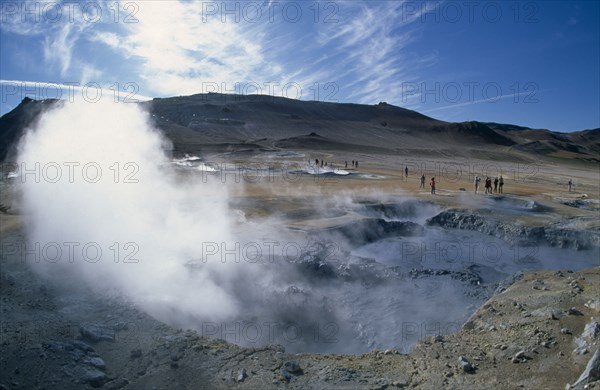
column 498, row 184
column 324, row 163
column 422, row 185
column 431, row 183
column 491, row 186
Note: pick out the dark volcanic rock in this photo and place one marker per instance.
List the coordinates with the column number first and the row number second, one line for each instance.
column 467, row 276
column 407, row 209
column 292, row 367
column 484, row 222
column 465, row 364
column 315, row 267
column 371, row 230
column 97, row 333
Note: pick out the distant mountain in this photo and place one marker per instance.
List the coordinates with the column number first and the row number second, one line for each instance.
column 14, row 123
column 215, row 123
column 583, row 144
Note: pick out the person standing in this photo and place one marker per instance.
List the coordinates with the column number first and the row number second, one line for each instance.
column 477, row 180
column 422, row 181
column 570, row 185
column 406, row 172
column 432, row 184
column 500, row 183
column 488, row 185
column 496, row 184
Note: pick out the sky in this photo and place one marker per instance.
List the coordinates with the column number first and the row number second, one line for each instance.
column 529, row 63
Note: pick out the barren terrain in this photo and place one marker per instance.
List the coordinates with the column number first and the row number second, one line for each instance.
column 375, row 306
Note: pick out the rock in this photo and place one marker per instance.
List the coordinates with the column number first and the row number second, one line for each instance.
column 285, row 374
column 520, row 357
column 588, row 337
column 116, row 384
column 136, row 353
column 593, row 304
column 97, row 333
column 120, row 326
column 565, row 331
column 94, row 377
column 555, row 314
column 175, row 357
column 241, row 375
column 90, row 369
column 288, row 368
column 373, row 229
column 592, row 370
column 591, row 331
column 292, row 367
column 574, row 312
column 96, row 362
column 466, row 364
column 82, row 346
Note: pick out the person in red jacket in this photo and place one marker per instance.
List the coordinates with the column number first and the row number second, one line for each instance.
column 432, row 184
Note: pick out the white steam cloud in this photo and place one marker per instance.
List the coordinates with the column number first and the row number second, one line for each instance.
column 103, row 204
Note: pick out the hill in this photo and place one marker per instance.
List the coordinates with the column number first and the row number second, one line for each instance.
column 215, row 123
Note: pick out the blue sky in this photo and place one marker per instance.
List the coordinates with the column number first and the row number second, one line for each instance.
column 530, row 63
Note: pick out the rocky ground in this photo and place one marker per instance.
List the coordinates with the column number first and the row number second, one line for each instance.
column 539, row 332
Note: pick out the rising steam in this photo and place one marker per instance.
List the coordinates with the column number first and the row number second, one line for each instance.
column 104, row 206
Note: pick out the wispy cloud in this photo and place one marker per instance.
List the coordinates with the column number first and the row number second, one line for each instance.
column 174, row 49
column 41, row 90
column 58, row 30
column 58, row 48
column 370, row 45
column 179, row 49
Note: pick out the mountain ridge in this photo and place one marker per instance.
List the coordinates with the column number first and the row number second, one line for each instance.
column 217, row 122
